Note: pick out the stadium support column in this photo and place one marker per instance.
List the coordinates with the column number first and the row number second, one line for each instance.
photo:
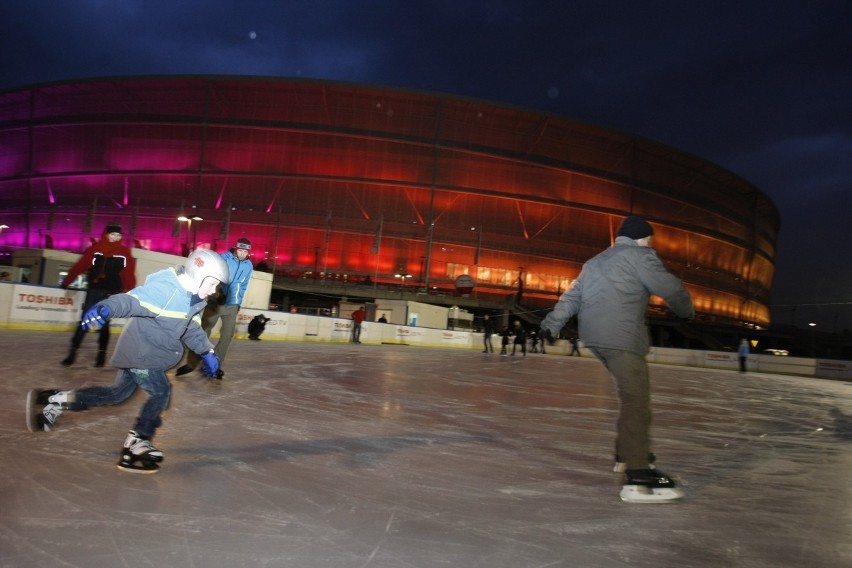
column 433, row 188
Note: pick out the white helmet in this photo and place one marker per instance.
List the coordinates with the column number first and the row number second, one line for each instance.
column 201, row 264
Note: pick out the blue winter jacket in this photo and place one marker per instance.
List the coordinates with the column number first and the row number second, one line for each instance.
column 163, row 317
column 240, row 271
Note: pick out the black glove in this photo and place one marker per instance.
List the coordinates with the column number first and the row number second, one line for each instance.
column 548, row 336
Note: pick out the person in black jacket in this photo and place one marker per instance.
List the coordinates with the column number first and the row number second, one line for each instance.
column 520, row 338
column 256, row 326
column 487, row 331
column 110, row 269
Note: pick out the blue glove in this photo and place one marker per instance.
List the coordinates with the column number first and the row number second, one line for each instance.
column 210, row 364
column 548, row 336
column 95, row 318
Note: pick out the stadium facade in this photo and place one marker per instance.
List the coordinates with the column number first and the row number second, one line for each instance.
column 350, row 182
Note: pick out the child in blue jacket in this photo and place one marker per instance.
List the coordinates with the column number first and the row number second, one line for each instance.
column 164, row 315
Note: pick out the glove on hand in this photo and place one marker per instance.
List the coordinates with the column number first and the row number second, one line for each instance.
column 95, row 318
column 548, row 336
column 210, row 364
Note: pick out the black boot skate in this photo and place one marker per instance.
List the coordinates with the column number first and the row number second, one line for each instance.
column 69, row 360
column 138, row 454
column 649, row 486
column 101, row 359
column 44, row 408
column 184, row 370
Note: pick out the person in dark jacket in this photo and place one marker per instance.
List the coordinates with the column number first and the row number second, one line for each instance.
column 256, row 326
column 742, row 353
column 505, row 334
column 165, row 315
column 110, row 269
column 487, row 332
column 610, row 298
column 520, row 338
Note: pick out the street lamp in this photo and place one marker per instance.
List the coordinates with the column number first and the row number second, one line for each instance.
column 813, row 338
column 402, row 276
column 188, row 220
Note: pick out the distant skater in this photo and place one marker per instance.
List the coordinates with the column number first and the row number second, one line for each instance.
column 575, row 347
column 743, row 352
column 487, row 332
column 505, row 334
column 520, row 338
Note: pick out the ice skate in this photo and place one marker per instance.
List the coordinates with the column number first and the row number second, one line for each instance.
column 621, row 466
column 101, row 359
column 649, row 486
column 134, row 464
column 44, row 408
column 184, row 370
column 138, row 455
column 69, row 360
column 140, row 446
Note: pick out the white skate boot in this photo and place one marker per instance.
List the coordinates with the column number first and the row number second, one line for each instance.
column 649, row 486
column 138, row 454
column 44, row 407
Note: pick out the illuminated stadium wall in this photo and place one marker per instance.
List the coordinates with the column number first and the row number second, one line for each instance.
column 355, row 181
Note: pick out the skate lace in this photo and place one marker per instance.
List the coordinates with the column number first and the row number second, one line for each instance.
column 51, row 412
column 139, row 447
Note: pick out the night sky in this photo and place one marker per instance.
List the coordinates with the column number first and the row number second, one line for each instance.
column 761, row 88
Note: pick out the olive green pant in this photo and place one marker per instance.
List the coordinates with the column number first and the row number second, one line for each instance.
column 629, row 372
column 212, row 314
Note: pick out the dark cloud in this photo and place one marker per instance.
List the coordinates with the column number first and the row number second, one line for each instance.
column 760, row 87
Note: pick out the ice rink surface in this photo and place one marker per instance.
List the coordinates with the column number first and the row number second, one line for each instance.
column 316, row 455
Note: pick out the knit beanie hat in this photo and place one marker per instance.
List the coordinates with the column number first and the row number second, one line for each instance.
column 113, row 228
column 635, row 228
column 243, row 243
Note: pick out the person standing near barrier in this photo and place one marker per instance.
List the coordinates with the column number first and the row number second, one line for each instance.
column 743, row 352
column 357, row 319
column 575, row 347
column 610, row 298
column 226, row 306
column 487, row 331
column 110, row 269
column 520, row 335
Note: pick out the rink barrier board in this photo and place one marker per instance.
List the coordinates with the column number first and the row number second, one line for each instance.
column 44, row 308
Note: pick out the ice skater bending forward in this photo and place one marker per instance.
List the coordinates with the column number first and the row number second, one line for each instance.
column 610, row 298
column 164, row 312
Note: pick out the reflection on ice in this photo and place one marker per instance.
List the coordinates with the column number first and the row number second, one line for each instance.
column 387, row 456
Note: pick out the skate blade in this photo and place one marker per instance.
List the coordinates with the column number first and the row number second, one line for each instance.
column 640, row 494
column 35, row 421
column 621, row 467
column 144, row 471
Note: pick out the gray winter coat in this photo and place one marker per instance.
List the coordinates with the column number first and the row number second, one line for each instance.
column 163, row 317
column 611, row 295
